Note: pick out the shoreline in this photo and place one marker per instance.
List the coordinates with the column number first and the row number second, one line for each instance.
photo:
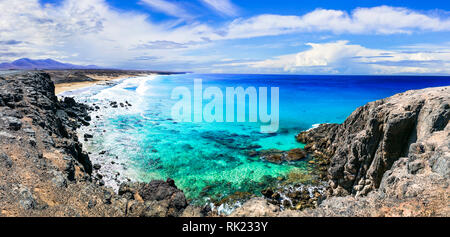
column 96, row 80
column 282, row 189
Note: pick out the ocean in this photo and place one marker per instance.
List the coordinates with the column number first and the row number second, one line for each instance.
column 210, row 161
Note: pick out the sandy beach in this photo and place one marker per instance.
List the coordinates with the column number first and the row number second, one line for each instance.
column 96, row 79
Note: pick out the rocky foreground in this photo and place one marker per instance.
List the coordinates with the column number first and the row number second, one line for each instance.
column 44, row 170
column 389, row 158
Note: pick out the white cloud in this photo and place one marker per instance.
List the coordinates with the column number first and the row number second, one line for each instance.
column 376, row 20
column 330, row 53
column 222, row 6
column 92, row 32
column 166, row 7
column 344, row 58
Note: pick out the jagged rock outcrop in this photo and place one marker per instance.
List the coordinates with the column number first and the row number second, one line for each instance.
column 156, row 199
column 375, row 136
column 43, row 168
column 389, row 158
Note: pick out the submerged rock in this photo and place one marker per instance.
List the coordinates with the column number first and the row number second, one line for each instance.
column 276, row 156
column 295, row 155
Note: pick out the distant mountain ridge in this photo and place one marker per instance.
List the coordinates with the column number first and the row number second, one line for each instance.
column 29, row 64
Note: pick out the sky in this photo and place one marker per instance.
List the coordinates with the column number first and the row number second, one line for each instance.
column 405, row 37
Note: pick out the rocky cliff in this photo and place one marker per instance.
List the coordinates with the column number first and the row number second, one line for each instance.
column 389, row 158
column 43, row 169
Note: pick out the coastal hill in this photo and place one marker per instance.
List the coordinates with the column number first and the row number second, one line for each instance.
column 30, row 64
column 389, row 158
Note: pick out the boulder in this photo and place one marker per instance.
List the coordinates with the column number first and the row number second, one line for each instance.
column 273, row 158
column 159, row 190
column 13, row 123
column 295, row 155
column 5, row 161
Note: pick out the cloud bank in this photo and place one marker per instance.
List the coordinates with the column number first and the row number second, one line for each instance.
column 376, row 20
column 92, row 32
column 343, row 58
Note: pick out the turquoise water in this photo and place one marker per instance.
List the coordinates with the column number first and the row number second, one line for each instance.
column 210, row 160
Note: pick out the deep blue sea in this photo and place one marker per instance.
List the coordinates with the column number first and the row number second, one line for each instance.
column 210, row 160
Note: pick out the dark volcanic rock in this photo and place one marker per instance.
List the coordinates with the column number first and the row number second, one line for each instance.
column 128, row 190
column 278, row 157
column 159, row 190
column 5, row 161
column 13, row 123
column 295, row 155
column 375, row 136
column 161, row 199
column 88, row 136
column 272, row 156
column 107, row 196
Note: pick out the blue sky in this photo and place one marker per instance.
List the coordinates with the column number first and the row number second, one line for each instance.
column 231, row 36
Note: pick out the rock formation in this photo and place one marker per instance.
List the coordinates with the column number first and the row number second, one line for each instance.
column 389, row 158
column 375, row 136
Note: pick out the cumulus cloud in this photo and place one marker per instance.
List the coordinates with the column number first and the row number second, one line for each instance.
column 222, row 6
column 376, row 20
column 344, row 58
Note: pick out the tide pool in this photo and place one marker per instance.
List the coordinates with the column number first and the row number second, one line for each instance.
column 210, row 161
